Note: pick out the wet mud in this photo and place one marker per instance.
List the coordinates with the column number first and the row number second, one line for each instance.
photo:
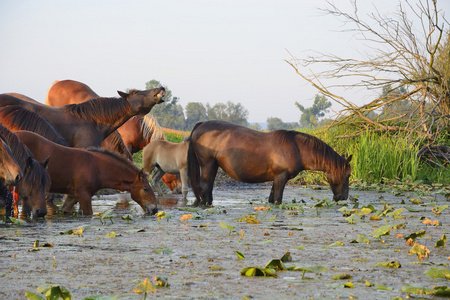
column 198, row 258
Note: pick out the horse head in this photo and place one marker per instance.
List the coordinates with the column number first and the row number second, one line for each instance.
column 34, row 187
column 339, row 181
column 10, row 172
column 143, row 194
column 141, row 102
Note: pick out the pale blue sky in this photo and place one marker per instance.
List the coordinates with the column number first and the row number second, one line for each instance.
column 203, row 50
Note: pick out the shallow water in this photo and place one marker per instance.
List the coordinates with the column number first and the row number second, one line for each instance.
column 201, row 262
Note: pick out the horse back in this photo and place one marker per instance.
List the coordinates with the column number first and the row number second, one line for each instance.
column 69, row 92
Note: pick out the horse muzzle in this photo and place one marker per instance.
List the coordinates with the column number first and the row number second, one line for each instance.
column 151, row 210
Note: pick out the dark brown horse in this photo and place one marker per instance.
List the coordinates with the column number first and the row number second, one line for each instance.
column 252, row 156
column 89, row 123
column 35, row 182
column 82, row 172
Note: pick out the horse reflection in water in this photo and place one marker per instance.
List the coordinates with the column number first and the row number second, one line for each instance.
column 252, row 156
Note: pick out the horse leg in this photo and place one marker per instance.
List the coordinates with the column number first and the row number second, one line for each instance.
column 184, row 183
column 279, row 182
column 69, row 202
column 85, row 203
column 208, row 175
column 156, row 178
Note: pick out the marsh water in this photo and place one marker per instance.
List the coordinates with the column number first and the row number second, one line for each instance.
column 195, row 249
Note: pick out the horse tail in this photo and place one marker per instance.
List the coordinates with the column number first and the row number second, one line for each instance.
column 193, row 166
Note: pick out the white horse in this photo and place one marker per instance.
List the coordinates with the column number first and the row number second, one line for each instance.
column 166, row 157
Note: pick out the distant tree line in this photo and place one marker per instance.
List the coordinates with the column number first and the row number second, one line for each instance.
column 170, row 114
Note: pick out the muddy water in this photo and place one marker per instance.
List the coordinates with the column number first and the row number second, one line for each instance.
column 200, row 262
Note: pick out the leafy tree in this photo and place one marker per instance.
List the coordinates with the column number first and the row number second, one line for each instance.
column 310, row 116
column 230, row 112
column 276, row 123
column 255, row 126
column 169, row 113
column 195, row 112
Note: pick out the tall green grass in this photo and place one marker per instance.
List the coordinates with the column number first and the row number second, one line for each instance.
column 384, row 156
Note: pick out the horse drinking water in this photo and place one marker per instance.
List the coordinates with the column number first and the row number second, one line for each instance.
column 252, row 156
column 89, row 170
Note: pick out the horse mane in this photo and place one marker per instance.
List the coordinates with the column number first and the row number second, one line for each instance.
column 22, row 154
column 23, row 119
column 116, row 144
column 101, row 110
column 150, row 128
column 116, row 156
column 321, row 151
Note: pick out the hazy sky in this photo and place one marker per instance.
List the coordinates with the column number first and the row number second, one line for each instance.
column 203, row 50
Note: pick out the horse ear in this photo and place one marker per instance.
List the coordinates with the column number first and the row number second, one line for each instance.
column 122, row 94
column 161, row 94
column 349, row 158
column 141, row 173
column 45, row 162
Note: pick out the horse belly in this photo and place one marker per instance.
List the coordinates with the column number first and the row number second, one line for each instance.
column 246, row 168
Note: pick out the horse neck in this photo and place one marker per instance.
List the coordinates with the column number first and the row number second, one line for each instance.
column 324, row 160
column 117, row 174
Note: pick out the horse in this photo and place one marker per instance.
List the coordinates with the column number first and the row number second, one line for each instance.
column 136, row 133
column 166, row 157
column 35, row 182
column 89, row 170
column 253, row 156
column 17, row 118
column 89, row 123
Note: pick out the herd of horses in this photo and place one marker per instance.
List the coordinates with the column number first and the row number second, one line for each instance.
column 78, row 143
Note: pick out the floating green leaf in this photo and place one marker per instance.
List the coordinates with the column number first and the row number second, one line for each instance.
column 310, row 269
column 441, row 242
column 53, row 292
column 255, row 271
column 396, row 213
column 286, row 257
column 415, row 235
column 276, row 264
column 349, row 285
column 438, row 210
column 17, row 221
column 419, row 290
column 163, row 250
column 353, row 219
column 103, row 297
column 342, row 276
column 362, row 239
column 390, row 264
column 412, row 209
column 240, row 255
column 383, row 230
column 226, row 226
column 438, row 273
column 127, row 218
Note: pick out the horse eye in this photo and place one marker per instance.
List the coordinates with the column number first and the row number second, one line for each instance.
column 145, row 189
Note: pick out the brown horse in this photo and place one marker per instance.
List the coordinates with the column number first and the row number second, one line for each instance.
column 89, row 170
column 17, row 118
column 36, row 180
column 166, row 157
column 89, row 123
column 252, row 156
column 137, row 132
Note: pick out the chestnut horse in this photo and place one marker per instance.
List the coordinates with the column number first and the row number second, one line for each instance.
column 252, row 156
column 89, row 170
column 166, row 157
column 35, row 182
column 89, row 123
